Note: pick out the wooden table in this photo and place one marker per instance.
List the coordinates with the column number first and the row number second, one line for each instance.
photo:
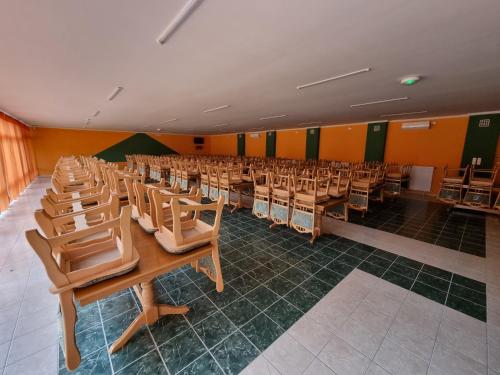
column 154, row 261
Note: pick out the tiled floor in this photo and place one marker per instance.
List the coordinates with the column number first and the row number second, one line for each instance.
column 289, row 307
column 28, row 312
column 427, row 221
column 272, row 278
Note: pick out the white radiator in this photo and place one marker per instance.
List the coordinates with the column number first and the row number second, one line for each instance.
column 421, row 178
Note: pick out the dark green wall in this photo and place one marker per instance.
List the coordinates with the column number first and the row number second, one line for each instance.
column 139, row 143
column 375, row 141
column 481, row 141
column 271, row 144
column 312, row 144
column 241, row 144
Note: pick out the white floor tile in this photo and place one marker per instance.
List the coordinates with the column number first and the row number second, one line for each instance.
column 260, row 366
column 343, row 359
column 451, row 361
column 397, row 360
column 310, row 334
column 40, row 363
column 318, row 368
column 288, row 356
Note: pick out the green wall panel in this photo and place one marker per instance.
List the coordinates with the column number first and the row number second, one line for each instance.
column 271, row 144
column 481, row 139
column 241, row 144
column 375, row 141
column 139, row 143
column 312, row 144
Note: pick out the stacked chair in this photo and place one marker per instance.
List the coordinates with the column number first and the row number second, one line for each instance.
column 452, row 184
column 480, row 187
column 86, row 237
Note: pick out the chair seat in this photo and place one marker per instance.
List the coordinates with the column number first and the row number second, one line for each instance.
column 453, row 180
column 146, row 223
column 394, row 175
column 335, row 191
column 195, row 234
column 482, row 182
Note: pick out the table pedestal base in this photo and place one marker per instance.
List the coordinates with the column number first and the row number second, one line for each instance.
column 150, row 314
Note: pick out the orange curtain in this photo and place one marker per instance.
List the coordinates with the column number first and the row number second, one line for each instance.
column 17, row 160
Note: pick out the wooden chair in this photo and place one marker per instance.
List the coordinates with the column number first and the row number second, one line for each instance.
column 480, row 188
column 131, row 195
column 71, row 222
column 339, row 183
column 204, row 180
column 80, row 267
column 66, row 197
column 281, row 199
column 185, row 235
column 229, row 180
column 145, row 204
column 74, row 205
column 452, row 184
column 214, row 183
column 309, row 192
column 262, row 195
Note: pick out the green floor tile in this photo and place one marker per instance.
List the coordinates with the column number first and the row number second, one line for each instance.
column 204, row 365
column 302, row 299
column 398, row 279
column 283, row 313
column 151, row 363
column 262, row 331
column 214, row 329
column 466, row 307
column 181, row 350
column 429, row 292
column 235, row 353
column 240, row 311
column 262, row 297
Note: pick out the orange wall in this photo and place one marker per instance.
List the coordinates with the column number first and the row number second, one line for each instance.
column 223, row 144
column 441, row 145
column 291, row 144
column 183, row 144
column 346, row 142
column 255, row 146
column 49, row 144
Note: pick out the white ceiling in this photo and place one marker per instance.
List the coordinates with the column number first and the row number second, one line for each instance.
column 61, row 59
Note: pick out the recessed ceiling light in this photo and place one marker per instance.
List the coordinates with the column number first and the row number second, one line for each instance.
column 380, row 101
column 97, row 113
column 310, row 123
column 219, row 125
column 403, row 113
column 115, row 92
column 410, row 80
column 217, row 108
column 171, row 120
column 272, row 117
column 333, row 78
column 158, row 129
column 178, row 20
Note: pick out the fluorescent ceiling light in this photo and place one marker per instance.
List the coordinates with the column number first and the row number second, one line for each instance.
column 311, row 123
column 379, row 102
column 219, row 125
column 115, row 92
column 171, row 120
column 272, row 117
column 403, row 114
column 97, row 113
column 178, row 20
column 333, row 78
column 217, row 108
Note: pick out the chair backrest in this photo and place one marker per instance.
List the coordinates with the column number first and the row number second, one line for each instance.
column 55, row 226
column 56, row 209
column 179, row 227
column 55, row 263
column 161, row 212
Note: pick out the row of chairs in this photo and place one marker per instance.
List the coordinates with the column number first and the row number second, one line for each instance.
column 85, row 234
column 475, row 182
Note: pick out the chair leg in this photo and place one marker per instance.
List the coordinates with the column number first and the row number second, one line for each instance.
column 219, row 283
column 69, row 319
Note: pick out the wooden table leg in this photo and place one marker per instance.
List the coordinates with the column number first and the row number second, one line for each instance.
column 150, row 314
column 68, row 312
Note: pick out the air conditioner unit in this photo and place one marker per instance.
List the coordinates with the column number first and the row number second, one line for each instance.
column 416, row 125
column 254, row 135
